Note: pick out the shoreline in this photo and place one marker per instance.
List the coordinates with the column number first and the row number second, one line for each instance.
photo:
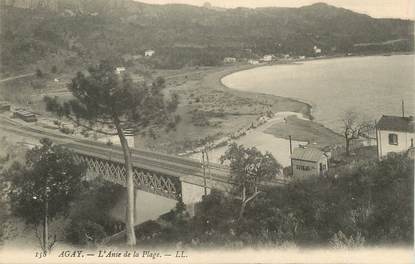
column 218, row 84
column 308, row 113
column 309, row 105
column 245, row 67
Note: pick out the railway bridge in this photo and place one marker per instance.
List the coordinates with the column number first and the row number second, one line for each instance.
column 169, row 176
column 173, row 177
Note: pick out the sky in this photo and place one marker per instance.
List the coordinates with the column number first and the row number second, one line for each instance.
column 375, row 8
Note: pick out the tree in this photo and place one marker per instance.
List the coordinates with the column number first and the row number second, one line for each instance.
column 44, row 186
column 108, row 103
column 249, row 168
column 354, row 127
column 39, row 73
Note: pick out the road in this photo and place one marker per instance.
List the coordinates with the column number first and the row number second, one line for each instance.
column 17, row 77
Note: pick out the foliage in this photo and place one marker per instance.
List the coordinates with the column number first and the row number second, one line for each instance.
column 30, row 35
column 89, row 214
column 54, row 69
column 44, row 186
column 340, row 240
column 103, row 100
column 200, row 119
column 369, row 205
column 249, row 168
column 39, row 73
column 82, row 232
column 354, row 127
column 49, row 174
column 103, row 97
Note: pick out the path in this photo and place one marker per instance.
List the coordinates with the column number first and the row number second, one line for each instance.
column 17, row 77
column 278, row 147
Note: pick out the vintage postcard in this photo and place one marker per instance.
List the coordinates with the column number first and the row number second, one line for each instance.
column 207, row 131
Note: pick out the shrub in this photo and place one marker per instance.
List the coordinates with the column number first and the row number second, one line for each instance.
column 39, row 73
column 340, row 240
column 199, row 118
column 81, row 231
column 89, row 214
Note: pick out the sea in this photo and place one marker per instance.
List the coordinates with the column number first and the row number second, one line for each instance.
column 371, row 86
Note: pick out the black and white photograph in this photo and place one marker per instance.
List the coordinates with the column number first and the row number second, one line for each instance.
column 207, row 131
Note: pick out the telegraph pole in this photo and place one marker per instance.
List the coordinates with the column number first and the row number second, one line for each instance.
column 204, row 172
column 208, row 165
column 291, row 152
column 377, row 139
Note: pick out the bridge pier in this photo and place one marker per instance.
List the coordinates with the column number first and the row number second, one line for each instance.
column 173, row 178
column 192, row 194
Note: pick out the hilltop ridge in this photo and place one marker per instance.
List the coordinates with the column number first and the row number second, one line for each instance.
column 90, row 30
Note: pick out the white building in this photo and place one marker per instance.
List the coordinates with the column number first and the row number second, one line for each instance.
column 229, row 60
column 268, row 58
column 307, row 162
column 394, row 134
column 253, row 62
column 317, row 50
column 149, row 53
column 119, row 70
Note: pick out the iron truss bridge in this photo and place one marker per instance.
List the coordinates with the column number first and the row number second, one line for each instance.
column 153, row 172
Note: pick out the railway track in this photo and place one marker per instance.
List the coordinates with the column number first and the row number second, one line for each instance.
column 150, row 163
column 141, row 158
column 163, row 163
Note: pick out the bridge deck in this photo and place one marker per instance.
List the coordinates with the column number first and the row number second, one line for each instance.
column 186, row 169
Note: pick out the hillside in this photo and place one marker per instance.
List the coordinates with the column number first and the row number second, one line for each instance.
column 78, row 32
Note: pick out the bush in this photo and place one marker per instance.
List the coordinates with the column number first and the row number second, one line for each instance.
column 90, row 212
column 340, row 241
column 66, row 130
column 39, row 73
column 200, row 119
column 82, row 232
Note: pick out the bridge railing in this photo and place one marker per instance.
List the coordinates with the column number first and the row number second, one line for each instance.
column 114, row 171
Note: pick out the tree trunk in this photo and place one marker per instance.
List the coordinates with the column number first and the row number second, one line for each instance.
column 242, row 211
column 45, row 228
column 347, row 147
column 131, row 240
column 243, row 203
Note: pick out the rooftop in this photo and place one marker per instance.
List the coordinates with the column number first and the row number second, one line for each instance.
column 396, row 123
column 310, row 154
column 24, row 112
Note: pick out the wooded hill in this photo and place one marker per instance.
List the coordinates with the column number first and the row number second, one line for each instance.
column 89, row 30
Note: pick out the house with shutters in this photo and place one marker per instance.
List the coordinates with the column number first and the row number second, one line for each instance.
column 394, row 134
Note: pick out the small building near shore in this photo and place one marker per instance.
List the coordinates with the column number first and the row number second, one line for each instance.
column 253, row 62
column 25, row 115
column 394, row 134
column 229, row 60
column 4, row 106
column 268, row 58
column 149, row 53
column 308, row 162
column 317, row 50
column 119, row 70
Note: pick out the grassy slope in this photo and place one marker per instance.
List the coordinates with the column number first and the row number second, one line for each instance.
column 227, row 110
column 304, row 130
